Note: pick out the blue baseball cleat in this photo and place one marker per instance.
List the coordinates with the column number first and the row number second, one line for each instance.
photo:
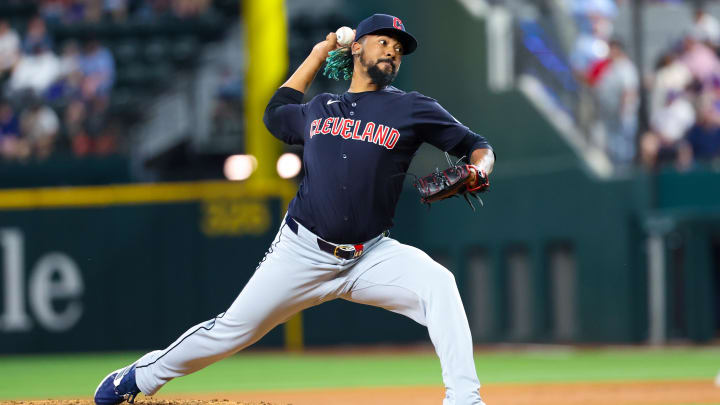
column 119, row 386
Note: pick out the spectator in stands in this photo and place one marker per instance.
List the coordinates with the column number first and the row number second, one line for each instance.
column 595, row 24
column 75, row 11
column 702, row 61
column 671, row 76
column 9, row 124
column 74, row 121
column 36, row 36
column 35, row 71
column 11, row 145
column 52, row 11
column 709, row 100
column 665, row 141
column 707, row 28
column 98, row 67
column 64, row 11
column 69, row 82
column 70, row 58
column 9, row 48
column 152, row 9
column 89, row 129
column 189, row 8
column 117, row 9
column 227, row 117
column 589, row 49
column 617, row 92
column 595, row 8
column 704, row 138
column 39, row 127
column 93, row 12
column 107, row 141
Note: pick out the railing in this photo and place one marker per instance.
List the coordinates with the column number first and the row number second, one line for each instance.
column 538, row 53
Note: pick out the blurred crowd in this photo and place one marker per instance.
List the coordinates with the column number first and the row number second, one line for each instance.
column 683, row 91
column 58, row 94
column 93, row 11
column 684, row 102
column 38, row 85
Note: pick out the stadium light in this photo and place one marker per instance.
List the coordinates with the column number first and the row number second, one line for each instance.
column 288, row 165
column 239, row 167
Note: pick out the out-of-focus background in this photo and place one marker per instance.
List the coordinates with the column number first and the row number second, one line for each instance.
column 139, row 188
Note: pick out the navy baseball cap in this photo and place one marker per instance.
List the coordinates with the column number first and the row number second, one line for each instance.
column 387, row 24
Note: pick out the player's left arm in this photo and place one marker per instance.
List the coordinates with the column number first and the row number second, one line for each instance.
column 481, row 154
column 484, row 160
column 439, row 128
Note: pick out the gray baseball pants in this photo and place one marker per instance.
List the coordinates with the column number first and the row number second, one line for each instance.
column 295, row 274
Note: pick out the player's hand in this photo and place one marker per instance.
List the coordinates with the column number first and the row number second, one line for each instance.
column 322, row 49
column 478, row 177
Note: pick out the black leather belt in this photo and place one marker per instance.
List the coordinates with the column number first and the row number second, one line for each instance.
column 340, row 251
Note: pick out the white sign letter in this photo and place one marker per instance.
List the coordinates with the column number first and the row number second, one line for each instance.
column 14, row 319
column 44, row 288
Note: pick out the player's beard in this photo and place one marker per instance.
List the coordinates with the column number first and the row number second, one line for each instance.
column 377, row 75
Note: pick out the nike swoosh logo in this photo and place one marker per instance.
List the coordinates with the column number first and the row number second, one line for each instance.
column 120, row 375
column 332, row 101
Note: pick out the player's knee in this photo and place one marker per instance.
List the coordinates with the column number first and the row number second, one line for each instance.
column 238, row 334
column 240, row 327
column 442, row 279
column 439, row 273
column 448, row 279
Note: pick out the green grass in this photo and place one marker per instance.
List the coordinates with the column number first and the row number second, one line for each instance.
column 77, row 375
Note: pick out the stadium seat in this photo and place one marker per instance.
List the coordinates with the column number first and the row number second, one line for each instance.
column 156, row 50
column 185, row 49
column 126, row 51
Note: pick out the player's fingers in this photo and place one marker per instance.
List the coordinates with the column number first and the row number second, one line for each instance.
column 331, row 38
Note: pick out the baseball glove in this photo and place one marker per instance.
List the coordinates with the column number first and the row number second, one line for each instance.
column 457, row 180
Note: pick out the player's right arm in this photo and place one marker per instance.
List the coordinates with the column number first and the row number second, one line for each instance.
column 285, row 115
column 305, row 73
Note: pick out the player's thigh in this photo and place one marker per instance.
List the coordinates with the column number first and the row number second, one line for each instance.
column 284, row 283
column 400, row 278
column 395, row 263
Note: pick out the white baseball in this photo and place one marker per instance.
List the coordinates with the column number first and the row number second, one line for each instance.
column 345, row 36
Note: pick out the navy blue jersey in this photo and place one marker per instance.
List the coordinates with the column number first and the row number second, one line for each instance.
column 357, row 146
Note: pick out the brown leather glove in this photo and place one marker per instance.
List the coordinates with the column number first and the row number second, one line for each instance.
column 452, row 182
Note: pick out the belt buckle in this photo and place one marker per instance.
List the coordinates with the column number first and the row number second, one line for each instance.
column 344, row 248
column 356, row 250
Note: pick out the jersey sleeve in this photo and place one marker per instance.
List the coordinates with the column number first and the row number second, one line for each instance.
column 285, row 116
column 435, row 125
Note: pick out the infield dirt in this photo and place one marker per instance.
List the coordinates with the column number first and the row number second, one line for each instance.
column 701, row 392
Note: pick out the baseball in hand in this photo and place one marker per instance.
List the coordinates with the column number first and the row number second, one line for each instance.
column 345, row 36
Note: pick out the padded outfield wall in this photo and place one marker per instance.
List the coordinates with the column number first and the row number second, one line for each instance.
column 130, row 267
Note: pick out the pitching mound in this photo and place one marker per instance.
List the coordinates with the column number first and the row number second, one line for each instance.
column 143, row 400
column 701, row 392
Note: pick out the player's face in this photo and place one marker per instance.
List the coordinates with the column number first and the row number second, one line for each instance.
column 381, row 56
column 384, row 51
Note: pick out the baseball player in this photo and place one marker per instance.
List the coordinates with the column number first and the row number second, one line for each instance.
column 333, row 242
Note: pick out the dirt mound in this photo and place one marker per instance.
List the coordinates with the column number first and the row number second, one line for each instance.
column 697, row 392
column 142, row 401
